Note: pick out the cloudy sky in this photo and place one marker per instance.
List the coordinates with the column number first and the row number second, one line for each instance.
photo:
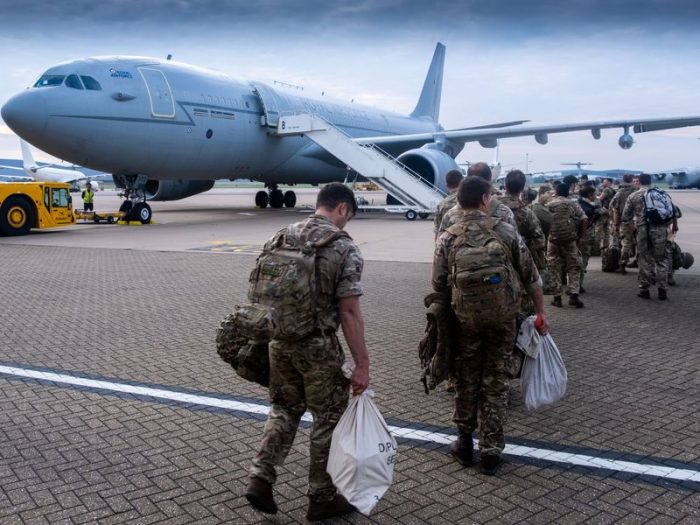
column 547, row 61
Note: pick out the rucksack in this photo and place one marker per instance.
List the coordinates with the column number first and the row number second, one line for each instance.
column 564, row 227
column 658, row 206
column 485, row 288
column 283, row 289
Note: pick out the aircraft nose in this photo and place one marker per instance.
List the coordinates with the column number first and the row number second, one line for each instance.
column 26, row 114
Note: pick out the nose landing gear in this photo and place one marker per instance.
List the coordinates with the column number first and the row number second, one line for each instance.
column 135, row 206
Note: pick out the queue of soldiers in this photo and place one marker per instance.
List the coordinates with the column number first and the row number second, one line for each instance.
column 493, row 255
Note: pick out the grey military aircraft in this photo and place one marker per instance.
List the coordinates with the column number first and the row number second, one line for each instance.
column 167, row 130
column 680, row 178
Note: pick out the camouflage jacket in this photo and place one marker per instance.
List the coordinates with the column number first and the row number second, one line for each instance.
column 520, row 256
column 338, row 267
column 442, row 208
column 635, row 210
column 528, row 226
column 606, row 196
column 617, row 205
column 496, row 209
column 563, row 208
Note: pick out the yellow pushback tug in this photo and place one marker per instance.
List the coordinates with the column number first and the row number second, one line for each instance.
column 27, row 205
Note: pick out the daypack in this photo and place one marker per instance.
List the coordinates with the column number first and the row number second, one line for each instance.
column 658, row 206
column 485, row 289
column 564, row 227
column 283, row 286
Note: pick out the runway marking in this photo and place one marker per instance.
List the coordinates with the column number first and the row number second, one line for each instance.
column 226, row 247
column 405, row 432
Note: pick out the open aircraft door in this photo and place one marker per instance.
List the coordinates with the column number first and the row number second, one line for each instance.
column 159, row 93
column 273, row 103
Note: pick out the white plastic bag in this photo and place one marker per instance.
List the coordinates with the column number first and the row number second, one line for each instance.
column 363, row 452
column 543, row 379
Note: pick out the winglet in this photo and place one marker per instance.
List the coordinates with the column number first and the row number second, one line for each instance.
column 429, row 101
column 27, row 158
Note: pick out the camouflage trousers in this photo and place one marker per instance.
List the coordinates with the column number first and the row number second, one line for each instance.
column 303, row 374
column 602, row 233
column 628, row 244
column 586, row 246
column 565, row 259
column 482, row 384
column 654, row 255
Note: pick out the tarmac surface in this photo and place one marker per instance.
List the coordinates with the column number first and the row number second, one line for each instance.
column 115, row 407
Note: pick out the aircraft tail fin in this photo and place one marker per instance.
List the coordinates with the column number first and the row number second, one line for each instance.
column 429, row 101
column 28, row 162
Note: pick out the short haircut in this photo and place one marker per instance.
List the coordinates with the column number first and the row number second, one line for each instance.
column 562, row 190
column 471, row 190
column 453, row 178
column 543, row 189
column 571, row 179
column 530, row 195
column 335, row 193
column 586, row 192
column 644, row 179
column 515, row 181
column 627, row 177
column 480, row 169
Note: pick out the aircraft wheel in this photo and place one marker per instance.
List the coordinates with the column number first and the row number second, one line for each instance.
column 290, row 199
column 411, row 215
column 423, row 215
column 16, row 216
column 262, row 199
column 110, row 220
column 276, row 198
column 126, row 207
column 141, row 212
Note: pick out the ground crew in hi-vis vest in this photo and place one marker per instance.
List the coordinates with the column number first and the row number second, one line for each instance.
column 306, row 373
column 563, row 255
column 480, row 266
column 653, row 249
column 88, row 197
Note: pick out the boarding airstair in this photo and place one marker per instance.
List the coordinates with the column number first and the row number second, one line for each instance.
column 418, row 195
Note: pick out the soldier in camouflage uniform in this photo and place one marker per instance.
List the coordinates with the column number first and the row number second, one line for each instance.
column 528, row 226
column 563, row 255
column 602, row 227
column 653, row 248
column 483, row 351
column 595, row 214
column 306, row 374
column 621, row 232
column 496, row 209
column 452, row 180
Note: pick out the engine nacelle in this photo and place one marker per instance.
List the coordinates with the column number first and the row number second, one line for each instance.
column 431, row 164
column 172, row 190
column 541, row 138
column 626, row 141
column 489, row 143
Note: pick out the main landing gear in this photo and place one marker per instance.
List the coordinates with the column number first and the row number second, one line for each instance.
column 135, row 206
column 275, row 198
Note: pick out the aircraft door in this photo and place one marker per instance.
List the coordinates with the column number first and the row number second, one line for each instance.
column 60, row 205
column 272, row 103
column 159, row 92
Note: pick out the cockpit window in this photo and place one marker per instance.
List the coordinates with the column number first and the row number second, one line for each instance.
column 73, row 82
column 91, row 83
column 49, row 80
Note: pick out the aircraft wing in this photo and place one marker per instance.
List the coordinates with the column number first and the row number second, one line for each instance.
column 488, row 136
column 11, row 167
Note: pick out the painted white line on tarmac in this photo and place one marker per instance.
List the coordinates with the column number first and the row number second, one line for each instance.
column 567, row 458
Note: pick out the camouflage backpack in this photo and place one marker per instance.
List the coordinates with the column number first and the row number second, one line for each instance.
column 283, row 287
column 485, row 288
column 563, row 228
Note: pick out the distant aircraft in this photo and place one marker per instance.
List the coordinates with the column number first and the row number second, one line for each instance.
column 167, row 130
column 680, row 178
column 49, row 173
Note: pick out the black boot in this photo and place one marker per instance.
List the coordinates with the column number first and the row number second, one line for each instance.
column 463, row 450
column 662, row 294
column 321, row 510
column 556, row 301
column 644, row 294
column 490, row 463
column 575, row 301
column 259, row 495
column 623, row 269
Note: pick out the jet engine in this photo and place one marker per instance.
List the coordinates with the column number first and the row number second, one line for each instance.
column 431, row 164
column 626, row 141
column 172, row 190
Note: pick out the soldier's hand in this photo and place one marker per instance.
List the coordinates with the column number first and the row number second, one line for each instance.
column 542, row 324
column 359, row 380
